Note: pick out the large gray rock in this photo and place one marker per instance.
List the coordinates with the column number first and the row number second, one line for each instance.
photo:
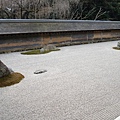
column 48, row 47
column 4, row 70
column 118, row 45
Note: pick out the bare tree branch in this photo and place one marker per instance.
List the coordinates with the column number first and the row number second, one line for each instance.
column 99, row 14
column 89, row 13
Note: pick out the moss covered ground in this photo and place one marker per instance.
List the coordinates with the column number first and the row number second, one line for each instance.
column 35, row 52
column 116, row 48
column 11, row 79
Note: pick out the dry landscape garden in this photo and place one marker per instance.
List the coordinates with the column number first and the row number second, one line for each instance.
column 59, row 60
column 81, row 82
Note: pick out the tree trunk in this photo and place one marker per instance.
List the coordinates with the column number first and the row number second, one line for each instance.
column 3, row 69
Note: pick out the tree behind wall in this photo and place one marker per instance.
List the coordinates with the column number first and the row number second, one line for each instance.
column 60, row 9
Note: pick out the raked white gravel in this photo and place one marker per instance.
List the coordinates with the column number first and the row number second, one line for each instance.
column 81, row 83
column 118, row 118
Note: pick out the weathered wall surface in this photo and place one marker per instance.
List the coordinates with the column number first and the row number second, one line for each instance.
column 15, row 36
column 34, row 26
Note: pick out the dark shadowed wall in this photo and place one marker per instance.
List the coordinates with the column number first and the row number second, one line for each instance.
column 18, row 35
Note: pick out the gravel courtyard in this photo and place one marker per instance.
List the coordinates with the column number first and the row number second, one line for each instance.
column 82, row 82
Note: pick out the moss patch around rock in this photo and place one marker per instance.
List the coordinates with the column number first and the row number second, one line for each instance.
column 35, row 52
column 11, row 79
column 116, row 48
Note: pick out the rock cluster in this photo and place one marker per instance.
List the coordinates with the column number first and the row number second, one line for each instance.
column 49, row 47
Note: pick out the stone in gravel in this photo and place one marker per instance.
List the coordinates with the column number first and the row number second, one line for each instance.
column 40, row 71
column 4, row 70
column 48, row 47
column 42, row 50
column 118, row 45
